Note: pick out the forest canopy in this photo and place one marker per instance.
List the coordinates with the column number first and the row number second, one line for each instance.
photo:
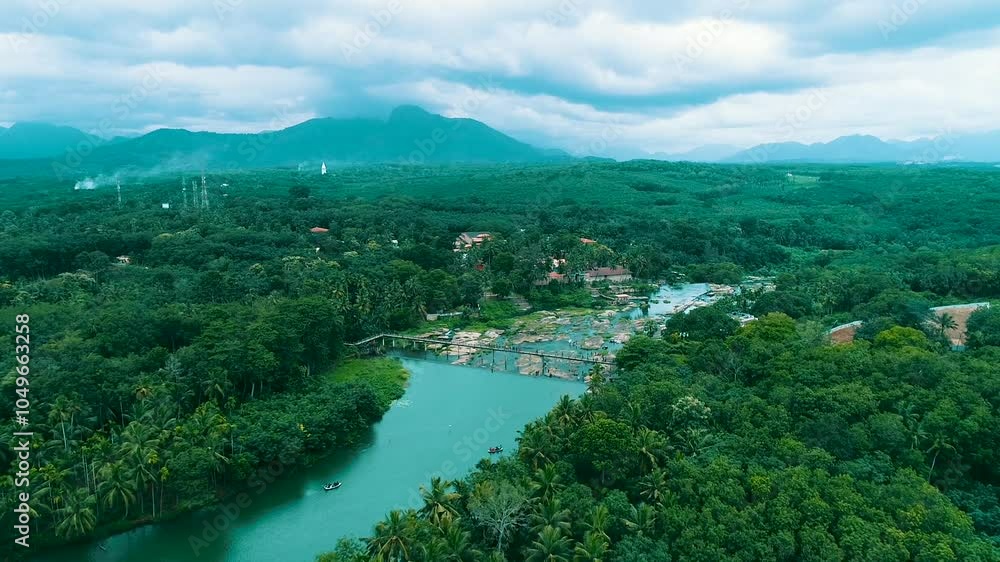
column 185, row 347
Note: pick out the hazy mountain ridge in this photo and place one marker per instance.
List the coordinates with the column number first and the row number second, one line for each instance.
column 981, row 147
column 39, row 140
column 412, row 135
column 409, row 135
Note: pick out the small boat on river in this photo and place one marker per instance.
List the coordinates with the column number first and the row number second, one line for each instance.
column 333, row 486
column 495, row 450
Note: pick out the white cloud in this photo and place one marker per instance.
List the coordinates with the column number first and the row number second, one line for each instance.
column 562, row 71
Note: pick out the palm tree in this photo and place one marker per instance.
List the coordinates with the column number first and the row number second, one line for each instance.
column 944, row 323
column 77, row 517
column 139, row 447
column 457, row 542
column 914, row 425
column 600, row 519
column 634, row 413
column 593, row 548
column 940, row 443
column 546, row 482
column 597, row 379
column 653, row 486
column 696, row 440
column 551, row 546
column 434, row 549
column 64, row 411
column 564, row 413
column 551, row 514
column 206, row 428
column 391, row 540
column 532, row 445
column 439, row 503
column 652, row 445
column 54, row 486
column 117, row 486
column 642, row 521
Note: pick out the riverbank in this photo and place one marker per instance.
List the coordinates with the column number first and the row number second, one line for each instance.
column 386, row 375
column 447, row 419
column 387, row 378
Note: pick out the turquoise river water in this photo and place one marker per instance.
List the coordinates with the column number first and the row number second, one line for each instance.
column 442, row 426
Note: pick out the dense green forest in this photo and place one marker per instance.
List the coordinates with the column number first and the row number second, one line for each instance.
column 174, row 375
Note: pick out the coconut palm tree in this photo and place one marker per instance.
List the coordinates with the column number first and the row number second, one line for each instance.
column 652, row 446
column 594, row 548
column 64, row 412
column 597, row 379
column 550, row 546
column 565, row 411
column 77, row 517
column 457, row 542
column 634, row 413
column 546, row 482
column 439, row 502
column 653, row 486
column 117, row 486
column 551, row 514
column 54, row 486
column 433, row 549
column 940, row 443
column 392, row 538
column 140, row 449
column 944, row 323
column 642, row 521
column 532, row 445
column 600, row 520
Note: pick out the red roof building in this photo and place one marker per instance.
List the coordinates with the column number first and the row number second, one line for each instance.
column 552, row 277
column 319, row 230
column 467, row 240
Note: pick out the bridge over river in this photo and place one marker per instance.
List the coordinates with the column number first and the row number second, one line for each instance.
column 377, row 343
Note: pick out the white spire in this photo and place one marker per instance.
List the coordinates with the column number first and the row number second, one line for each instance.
column 323, row 169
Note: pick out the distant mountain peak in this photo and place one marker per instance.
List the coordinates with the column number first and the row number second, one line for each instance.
column 411, row 135
column 862, row 148
column 410, row 112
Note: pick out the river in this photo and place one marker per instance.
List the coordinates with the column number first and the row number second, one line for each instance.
column 443, row 425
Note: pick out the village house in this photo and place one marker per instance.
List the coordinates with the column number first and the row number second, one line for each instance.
column 610, row 274
column 468, row 240
column 553, row 277
column 957, row 332
column 845, row 333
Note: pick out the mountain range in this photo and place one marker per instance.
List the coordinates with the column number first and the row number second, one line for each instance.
column 409, row 135
column 413, row 135
column 981, row 147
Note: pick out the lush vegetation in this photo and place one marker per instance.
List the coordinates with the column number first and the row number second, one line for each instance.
column 170, row 378
column 766, row 444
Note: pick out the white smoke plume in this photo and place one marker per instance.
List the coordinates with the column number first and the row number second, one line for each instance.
column 94, row 183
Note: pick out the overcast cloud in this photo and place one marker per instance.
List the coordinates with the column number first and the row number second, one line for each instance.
column 643, row 74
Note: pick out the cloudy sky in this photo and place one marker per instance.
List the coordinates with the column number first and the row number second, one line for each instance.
column 650, row 75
